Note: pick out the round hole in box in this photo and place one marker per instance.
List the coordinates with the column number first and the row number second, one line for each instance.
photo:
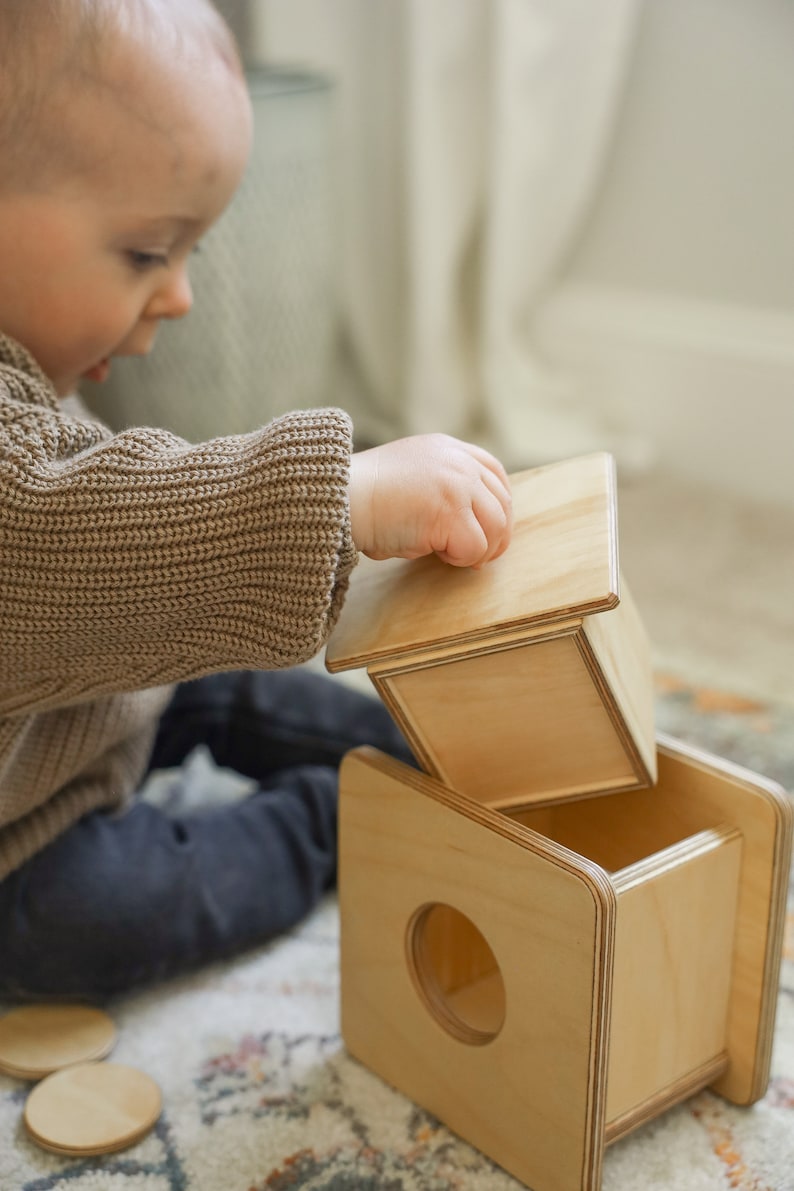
column 456, row 973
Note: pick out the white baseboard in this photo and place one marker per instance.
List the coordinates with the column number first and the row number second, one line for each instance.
column 710, row 386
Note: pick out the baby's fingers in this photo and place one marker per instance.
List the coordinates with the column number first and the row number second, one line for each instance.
column 494, row 511
column 465, row 544
column 477, row 533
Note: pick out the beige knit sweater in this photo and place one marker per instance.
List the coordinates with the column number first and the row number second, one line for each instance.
column 129, row 561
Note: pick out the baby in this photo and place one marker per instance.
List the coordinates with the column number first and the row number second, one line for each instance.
column 156, row 593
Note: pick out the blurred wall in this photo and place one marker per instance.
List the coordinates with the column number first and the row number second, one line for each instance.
column 678, row 301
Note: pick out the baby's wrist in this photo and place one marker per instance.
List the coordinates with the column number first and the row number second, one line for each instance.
column 360, row 502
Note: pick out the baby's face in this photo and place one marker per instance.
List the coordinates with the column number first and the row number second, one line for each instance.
column 94, row 261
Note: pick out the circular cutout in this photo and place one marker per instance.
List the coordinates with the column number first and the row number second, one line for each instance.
column 36, row 1040
column 456, row 973
column 92, row 1108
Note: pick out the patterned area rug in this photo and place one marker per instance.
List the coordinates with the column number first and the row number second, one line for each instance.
column 259, row 1094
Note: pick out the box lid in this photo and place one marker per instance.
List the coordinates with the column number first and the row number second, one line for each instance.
column 561, row 563
column 528, row 680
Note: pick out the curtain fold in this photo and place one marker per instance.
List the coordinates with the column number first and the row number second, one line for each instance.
column 471, row 139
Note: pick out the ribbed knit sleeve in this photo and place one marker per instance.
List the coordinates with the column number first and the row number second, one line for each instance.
column 136, row 559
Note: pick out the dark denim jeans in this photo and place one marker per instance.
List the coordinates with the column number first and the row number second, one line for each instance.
column 123, row 900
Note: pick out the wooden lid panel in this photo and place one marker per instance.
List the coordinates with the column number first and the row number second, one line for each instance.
column 562, row 562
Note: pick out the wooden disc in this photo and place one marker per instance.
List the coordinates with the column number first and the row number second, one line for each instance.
column 36, row 1040
column 92, row 1108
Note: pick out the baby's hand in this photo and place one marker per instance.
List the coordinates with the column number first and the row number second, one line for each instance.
column 430, row 494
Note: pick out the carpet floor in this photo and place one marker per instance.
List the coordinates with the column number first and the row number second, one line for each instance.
column 260, row 1095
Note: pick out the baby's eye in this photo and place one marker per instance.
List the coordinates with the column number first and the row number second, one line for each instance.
column 147, row 260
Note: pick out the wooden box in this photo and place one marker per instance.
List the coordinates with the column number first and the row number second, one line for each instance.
column 529, row 679
column 541, row 968
column 545, row 980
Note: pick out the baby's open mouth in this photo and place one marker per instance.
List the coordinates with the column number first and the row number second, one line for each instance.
column 99, row 372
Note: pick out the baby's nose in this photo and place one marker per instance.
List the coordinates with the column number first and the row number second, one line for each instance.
column 180, row 295
column 174, row 298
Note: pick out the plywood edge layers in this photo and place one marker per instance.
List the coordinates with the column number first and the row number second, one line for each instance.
column 669, row 858
column 593, row 876
column 619, row 642
column 767, row 840
column 365, row 778
column 518, row 628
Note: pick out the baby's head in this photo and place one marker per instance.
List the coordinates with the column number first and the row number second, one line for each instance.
column 124, row 132
column 53, row 52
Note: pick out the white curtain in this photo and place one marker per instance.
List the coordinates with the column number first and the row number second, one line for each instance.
column 471, row 136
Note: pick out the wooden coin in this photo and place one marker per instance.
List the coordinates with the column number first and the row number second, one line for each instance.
column 92, row 1109
column 36, row 1040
